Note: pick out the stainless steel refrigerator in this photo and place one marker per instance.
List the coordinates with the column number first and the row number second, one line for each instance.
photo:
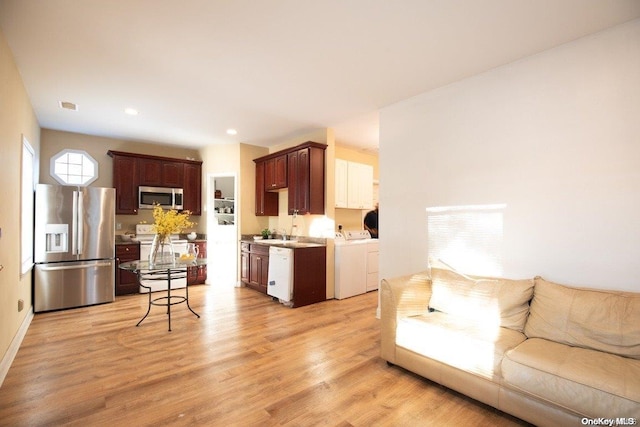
column 74, row 247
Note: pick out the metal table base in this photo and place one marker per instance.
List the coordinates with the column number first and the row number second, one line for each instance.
column 168, row 300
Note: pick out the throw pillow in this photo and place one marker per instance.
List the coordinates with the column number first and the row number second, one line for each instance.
column 590, row 318
column 488, row 300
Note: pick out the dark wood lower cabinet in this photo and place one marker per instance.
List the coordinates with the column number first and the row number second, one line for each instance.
column 309, row 271
column 198, row 275
column 309, row 276
column 126, row 281
column 259, row 268
column 254, row 266
column 244, row 263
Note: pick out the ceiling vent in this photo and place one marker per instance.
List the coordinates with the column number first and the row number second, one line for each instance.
column 68, row 105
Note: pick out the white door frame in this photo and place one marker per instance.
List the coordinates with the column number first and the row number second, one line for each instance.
column 213, row 229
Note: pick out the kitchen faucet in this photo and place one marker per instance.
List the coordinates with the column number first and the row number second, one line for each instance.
column 284, row 234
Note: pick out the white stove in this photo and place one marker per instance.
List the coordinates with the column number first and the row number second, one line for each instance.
column 145, row 235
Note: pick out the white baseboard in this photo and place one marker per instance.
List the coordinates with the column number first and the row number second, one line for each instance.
column 7, row 360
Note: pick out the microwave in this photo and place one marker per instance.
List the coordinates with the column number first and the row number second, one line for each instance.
column 167, row 198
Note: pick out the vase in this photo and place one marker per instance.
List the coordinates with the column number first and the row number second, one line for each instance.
column 161, row 250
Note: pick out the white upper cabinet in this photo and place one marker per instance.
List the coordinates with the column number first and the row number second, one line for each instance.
column 341, row 183
column 360, row 188
column 354, row 185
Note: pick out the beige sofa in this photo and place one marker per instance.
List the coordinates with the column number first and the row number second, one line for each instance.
column 549, row 354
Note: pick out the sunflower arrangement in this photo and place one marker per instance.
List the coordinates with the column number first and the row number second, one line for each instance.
column 170, row 221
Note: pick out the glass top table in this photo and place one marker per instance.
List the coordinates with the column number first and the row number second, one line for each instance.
column 166, row 271
column 178, row 264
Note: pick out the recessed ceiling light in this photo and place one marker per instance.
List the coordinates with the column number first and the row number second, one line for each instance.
column 68, row 105
column 131, row 111
column 232, row 131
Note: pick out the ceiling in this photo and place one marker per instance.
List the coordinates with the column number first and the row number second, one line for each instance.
column 271, row 69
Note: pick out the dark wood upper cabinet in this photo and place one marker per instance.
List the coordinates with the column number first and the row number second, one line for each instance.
column 306, row 181
column 161, row 173
column 275, row 173
column 174, row 174
column 299, row 171
column 125, row 181
column 150, row 172
column 193, row 188
column 131, row 170
column 304, row 178
column 266, row 203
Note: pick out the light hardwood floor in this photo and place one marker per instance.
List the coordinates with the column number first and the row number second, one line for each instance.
column 248, row 361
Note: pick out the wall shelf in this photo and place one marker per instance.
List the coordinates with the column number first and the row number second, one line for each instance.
column 223, row 217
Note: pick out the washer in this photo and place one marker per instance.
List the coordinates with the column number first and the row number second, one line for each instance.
column 351, row 271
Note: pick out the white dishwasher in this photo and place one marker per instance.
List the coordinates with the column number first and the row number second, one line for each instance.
column 280, row 277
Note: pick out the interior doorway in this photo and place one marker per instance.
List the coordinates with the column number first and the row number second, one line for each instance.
column 222, row 230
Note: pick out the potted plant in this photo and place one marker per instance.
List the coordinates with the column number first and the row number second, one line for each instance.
column 265, row 233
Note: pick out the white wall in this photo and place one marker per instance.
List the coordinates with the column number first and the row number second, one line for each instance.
column 555, row 137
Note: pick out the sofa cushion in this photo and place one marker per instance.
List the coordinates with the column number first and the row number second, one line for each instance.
column 593, row 383
column 459, row 342
column 493, row 301
column 601, row 320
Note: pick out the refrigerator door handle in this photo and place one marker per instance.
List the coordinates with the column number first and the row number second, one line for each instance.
column 74, row 225
column 80, row 221
column 73, row 267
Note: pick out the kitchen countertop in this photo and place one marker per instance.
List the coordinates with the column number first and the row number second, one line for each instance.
column 295, row 243
column 119, row 241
